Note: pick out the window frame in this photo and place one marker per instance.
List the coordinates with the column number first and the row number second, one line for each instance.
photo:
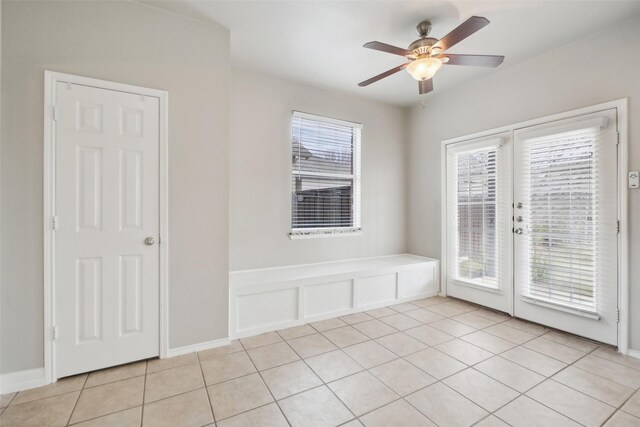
column 356, row 177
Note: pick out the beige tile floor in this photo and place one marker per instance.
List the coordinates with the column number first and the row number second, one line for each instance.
column 436, row 361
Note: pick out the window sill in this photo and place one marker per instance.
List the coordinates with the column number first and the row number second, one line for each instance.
column 319, row 233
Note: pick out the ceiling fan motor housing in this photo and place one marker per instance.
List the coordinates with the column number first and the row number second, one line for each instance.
column 422, row 47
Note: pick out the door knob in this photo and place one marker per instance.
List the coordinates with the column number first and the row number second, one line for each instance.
column 149, row 241
column 519, row 205
column 519, row 219
column 518, row 230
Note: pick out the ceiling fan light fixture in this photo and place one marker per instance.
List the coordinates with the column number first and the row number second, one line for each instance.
column 426, row 55
column 424, row 68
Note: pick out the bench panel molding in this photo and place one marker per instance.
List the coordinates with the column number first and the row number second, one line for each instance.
column 270, row 299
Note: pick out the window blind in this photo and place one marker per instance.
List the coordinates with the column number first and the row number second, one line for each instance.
column 477, row 192
column 568, row 212
column 325, row 173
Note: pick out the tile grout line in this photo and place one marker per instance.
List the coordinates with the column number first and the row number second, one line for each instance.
column 265, row 383
column 326, row 385
column 206, row 389
column 15, row 395
column 144, row 392
column 588, row 372
column 114, row 381
column 533, row 350
column 416, row 391
column 619, row 364
column 75, row 405
column 195, row 353
column 550, row 378
column 398, row 357
column 110, row 413
column 356, row 417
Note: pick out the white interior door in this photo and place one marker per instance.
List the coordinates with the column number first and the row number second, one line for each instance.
column 478, row 230
column 106, row 205
column 565, row 241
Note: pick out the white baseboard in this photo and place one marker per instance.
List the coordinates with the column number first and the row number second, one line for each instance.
column 633, row 353
column 192, row 348
column 22, row 380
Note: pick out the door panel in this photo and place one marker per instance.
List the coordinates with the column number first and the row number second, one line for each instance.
column 107, row 203
column 565, row 245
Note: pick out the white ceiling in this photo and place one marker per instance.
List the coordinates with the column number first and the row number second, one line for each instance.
column 320, row 42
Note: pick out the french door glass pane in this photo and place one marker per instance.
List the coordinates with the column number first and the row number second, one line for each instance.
column 561, row 206
column 476, row 216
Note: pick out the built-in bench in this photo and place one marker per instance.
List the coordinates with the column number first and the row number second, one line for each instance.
column 274, row 298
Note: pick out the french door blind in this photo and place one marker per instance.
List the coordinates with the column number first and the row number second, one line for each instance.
column 477, row 198
column 563, row 212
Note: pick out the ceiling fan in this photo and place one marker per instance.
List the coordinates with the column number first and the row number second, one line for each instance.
column 427, row 54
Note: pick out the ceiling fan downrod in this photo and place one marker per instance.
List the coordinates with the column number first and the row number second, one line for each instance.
column 422, row 46
column 423, row 29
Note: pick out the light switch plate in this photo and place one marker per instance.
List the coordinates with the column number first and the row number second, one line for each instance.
column 634, row 179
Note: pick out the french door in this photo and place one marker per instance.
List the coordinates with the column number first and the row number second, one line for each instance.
column 532, row 224
column 107, row 225
column 565, row 225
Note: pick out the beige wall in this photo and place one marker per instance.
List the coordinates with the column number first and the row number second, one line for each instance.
column 260, row 187
column 601, row 68
column 135, row 44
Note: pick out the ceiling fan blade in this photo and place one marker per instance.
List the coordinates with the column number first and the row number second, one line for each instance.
column 383, row 47
column 425, row 86
column 474, row 60
column 382, row 75
column 462, row 31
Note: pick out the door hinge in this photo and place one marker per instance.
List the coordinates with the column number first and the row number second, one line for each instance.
column 618, row 316
column 54, row 113
column 55, row 333
column 54, row 223
column 617, row 138
column 618, row 226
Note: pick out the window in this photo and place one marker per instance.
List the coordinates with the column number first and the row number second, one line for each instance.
column 325, row 158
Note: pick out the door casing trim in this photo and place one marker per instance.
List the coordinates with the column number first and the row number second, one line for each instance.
column 50, row 80
column 621, row 106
